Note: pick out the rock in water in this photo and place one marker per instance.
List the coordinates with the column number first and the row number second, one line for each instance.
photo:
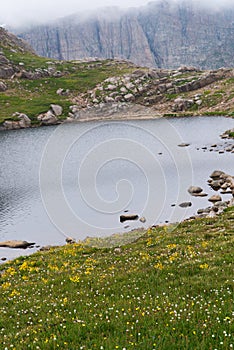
column 215, row 198
column 185, row 204
column 127, row 217
column 195, row 189
column 216, row 174
column 16, row 244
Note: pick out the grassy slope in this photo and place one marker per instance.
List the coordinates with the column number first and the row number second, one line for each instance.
column 171, row 289
column 35, row 96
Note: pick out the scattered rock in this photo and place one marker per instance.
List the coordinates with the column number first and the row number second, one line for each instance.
column 63, row 92
column 70, row 240
column 184, row 144
column 143, row 219
column 46, row 248
column 3, row 259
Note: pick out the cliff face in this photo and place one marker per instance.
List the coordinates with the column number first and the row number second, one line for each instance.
column 162, row 34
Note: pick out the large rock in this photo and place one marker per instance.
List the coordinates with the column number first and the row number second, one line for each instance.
column 185, row 204
column 181, row 104
column 24, row 121
column 216, row 174
column 16, row 244
column 56, row 109
column 48, row 118
column 126, row 217
column 194, row 189
column 215, row 198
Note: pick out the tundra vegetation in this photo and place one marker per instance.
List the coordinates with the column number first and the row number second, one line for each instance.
column 172, row 288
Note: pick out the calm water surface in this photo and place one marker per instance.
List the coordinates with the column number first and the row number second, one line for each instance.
column 77, row 179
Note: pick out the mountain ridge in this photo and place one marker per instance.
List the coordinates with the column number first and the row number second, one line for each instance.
column 162, row 34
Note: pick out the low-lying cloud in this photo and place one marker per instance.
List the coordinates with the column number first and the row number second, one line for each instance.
column 17, row 13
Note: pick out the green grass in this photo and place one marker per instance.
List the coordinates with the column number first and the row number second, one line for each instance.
column 231, row 134
column 35, row 96
column 170, row 289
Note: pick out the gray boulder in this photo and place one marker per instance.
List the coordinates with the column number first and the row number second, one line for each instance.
column 48, row 118
column 56, row 109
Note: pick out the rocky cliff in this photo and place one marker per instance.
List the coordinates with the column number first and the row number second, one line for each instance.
column 163, row 34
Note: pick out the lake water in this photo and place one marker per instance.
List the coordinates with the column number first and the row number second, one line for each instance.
column 77, row 179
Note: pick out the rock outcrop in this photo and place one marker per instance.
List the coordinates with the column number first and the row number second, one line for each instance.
column 165, row 34
column 23, row 122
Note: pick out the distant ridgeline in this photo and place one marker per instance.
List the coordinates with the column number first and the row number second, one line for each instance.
column 164, row 34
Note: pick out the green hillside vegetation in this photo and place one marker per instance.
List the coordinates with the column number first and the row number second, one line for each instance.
column 170, row 289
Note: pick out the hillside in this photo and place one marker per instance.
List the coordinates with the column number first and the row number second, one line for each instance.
column 30, row 87
column 163, row 34
column 170, row 289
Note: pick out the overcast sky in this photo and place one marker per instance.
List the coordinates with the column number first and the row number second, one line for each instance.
column 20, row 12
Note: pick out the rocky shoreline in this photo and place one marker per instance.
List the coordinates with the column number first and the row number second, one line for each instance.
column 142, row 94
column 219, row 181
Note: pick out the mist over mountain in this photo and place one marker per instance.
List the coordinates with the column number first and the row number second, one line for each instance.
column 165, row 34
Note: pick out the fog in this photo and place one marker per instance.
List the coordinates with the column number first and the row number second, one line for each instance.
column 18, row 13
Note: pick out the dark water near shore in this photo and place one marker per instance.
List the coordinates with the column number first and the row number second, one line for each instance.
column 77, row 179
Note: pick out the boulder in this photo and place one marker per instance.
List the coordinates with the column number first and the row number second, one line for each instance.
column 185, row 204
column 181, row 104
column 11, row 125
column 195, row 189
column 129, row 97
column 184, row 144
column 24, row 121
column 47, row 118
column 216, row 174
column 16, row 244
column 143, row 219
column 56, row 109
column 126, row 217
column 70, row 240
column 62, row 92
column 216, row 184
column 215, row 198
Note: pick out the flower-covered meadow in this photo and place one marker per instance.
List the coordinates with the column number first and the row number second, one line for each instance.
column 170, row 289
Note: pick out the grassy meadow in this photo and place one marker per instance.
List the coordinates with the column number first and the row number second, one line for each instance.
column 172, row 288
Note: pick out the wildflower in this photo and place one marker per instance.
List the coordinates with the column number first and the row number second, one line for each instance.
column 204, row 266
column 75, row 279
column 158, row 266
